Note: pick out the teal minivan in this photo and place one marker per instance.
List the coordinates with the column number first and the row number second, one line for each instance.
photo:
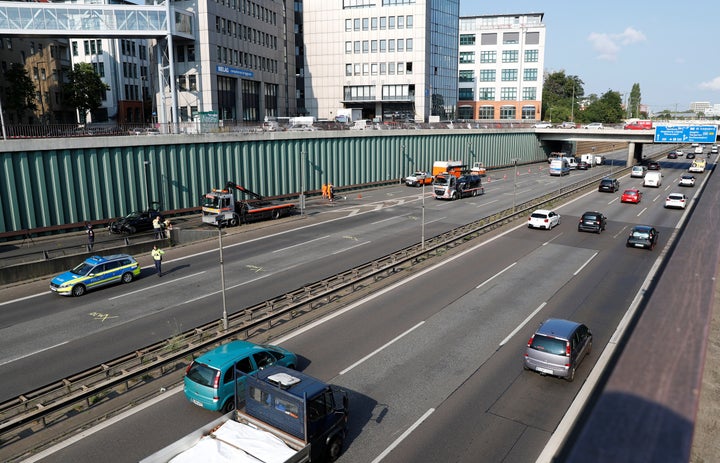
column 209, row 379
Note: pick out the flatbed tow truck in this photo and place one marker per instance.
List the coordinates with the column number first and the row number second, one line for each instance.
column 219, row 207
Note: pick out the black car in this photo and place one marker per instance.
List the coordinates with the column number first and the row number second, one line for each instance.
column 135, row 222
column 672, row 155
column 690, row 156
column 642, row 236
column 582, row 165
column 609, row 184
column 653, row 165
column 592, row 221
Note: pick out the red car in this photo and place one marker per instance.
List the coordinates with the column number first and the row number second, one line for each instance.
column 632, row 195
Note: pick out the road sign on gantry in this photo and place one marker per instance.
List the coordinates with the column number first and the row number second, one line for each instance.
column 685, row 133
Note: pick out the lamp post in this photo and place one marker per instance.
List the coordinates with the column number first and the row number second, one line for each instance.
column 302, row 183
column 422, row 220
column 514, row 183
column 220, row 224
column 402, row 154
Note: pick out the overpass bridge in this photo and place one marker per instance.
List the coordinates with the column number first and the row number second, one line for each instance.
column 634, row 138
column 129, row 20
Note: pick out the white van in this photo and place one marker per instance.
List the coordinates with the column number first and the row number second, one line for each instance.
column 360, row 124
column 589, row 158
column 559, row 167
column 572, row 163
column 652, row 178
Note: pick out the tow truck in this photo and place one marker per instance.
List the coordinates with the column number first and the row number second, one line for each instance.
column 219, row 207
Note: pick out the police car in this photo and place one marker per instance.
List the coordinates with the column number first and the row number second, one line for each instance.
column 94, row 272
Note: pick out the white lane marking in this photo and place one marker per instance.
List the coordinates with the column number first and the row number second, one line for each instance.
column 389, row 218
column 496, row 275
column 521, row 325
column 301, row 244
column 381, row 348
column 641, row 212
column 167, row 282
column 585, row 264
column 552, row 239
column 351, row 247
column 489, row 202
column 32, row 353
column 402, row 437
column 25, row 298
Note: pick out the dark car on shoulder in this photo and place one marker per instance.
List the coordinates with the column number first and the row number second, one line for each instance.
column 135, row 222
column 642, row 236
column 592, row 221
column 609, row 184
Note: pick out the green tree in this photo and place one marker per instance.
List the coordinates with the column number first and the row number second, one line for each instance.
column 22, row 96
column 84, row 89
column 634, row 101
column 560, row 96
column 606, row 109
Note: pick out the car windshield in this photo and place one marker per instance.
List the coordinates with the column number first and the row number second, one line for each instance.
column 441, row 180
column 82, row 269
column 202, row 374
column 548, row 344
column 133, row 215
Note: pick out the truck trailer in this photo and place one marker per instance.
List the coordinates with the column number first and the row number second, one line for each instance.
column 287, row 417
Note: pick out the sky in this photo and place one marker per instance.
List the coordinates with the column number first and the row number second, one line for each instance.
column 667, row 47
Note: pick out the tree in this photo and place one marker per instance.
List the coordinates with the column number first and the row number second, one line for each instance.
column 84, row 89
column 22, row 96
column 560, row 96
column 634, row 101
column 607, row 109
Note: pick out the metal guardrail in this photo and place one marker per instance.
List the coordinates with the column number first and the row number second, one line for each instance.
column 59, row 400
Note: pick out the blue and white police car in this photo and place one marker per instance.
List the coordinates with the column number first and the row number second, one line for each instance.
column 94, row 272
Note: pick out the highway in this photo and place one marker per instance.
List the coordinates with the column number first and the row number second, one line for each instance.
column 440, row 349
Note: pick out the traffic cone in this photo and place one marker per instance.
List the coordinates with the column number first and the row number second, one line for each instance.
column 359, row 196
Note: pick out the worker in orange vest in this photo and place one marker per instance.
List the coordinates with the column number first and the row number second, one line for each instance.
column 324, row 191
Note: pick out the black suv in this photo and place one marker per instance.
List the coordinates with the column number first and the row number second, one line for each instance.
column 592, row 221
column 609, row 184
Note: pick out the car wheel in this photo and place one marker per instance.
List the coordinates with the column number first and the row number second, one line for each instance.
column 275, row 214
column 233, row 221
column 589, row 349
column 78, row 290
column 571, row 375
column 335, row 448
column 229, row 405
column 127, row 277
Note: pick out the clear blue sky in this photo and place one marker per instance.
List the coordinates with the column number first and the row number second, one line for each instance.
column 668, row 47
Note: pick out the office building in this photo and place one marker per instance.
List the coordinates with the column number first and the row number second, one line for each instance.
column 501, row 66
column 395, row 59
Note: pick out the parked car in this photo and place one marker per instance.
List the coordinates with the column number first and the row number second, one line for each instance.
column 543, row 218
column 557, row 347
column 209, row 380
column 592, row 221
column 687, row 180
column 642, row 236
column 594, row 126
column 631, row 195
column 675, row 200
column 609, row 184
column 135, row 222
column 638, row 171
column 94, row 272
column 542, row 125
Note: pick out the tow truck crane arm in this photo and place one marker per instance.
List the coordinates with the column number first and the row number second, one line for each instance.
column 229, row 185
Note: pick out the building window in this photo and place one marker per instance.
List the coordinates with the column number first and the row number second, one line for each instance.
column 507, row 112
column 508, row 93
column 408, row 44
column 366, row 46
column 532, row 56
column 467, row 76
column 510, row 56
column 359, row 92
column 383, row 69
column 530, row 75
column 486, row 94
column 486, row 112
column 409, row 22
column 374, row 23
column 400, row 22
column 383, row 45
column 365, row 24
column 348, row 69
column 373, row 46
column 488, row 39
column 528, row 112
column 467, row 57
column 529, row 93
column 374, row 69
column 466, row 94
column 356, row 46
column 391, row 45
column 487, row 75
column 509, row 75
column 391, row 69
column 400, row 45
column 356, row 24
column 532, row 38
column 400, row 68
column 348, row 47
column 488, row 56
column 396, row 92
column 467, row 39
column 383, row 23
column 511, row 38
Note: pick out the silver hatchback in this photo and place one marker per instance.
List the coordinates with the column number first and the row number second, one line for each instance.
column 557, row 348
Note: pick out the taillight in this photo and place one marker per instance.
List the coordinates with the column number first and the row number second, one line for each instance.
column 216, row 383
column 531, row 340
column 567, row 348
column 187, row 370
column 546, row 220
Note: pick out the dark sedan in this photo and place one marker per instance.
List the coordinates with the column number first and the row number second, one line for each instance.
column 642, row 236
column 672, row 155
column 135, row 222
column 592, row 221
column 690, row 156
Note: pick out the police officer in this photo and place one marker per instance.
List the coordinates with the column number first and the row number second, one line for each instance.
column 157, row 255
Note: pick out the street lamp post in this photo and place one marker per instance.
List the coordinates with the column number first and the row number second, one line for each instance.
column 514, row 183
column 219, row 224
column 402, row 154
column 147, row 183
column 302, row 183
column 422, row 220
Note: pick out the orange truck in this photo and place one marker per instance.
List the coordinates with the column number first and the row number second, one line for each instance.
column 454, row 168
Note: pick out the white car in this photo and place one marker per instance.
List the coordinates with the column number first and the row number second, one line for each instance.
column 676, row 200
column 638, row 171
column 542, row 125
column 594, row 125
column 699, row 150
column 679, row 152
column 543, row 218
column 687, row 180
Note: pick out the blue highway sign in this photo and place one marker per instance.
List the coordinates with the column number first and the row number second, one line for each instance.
column 685, row 133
